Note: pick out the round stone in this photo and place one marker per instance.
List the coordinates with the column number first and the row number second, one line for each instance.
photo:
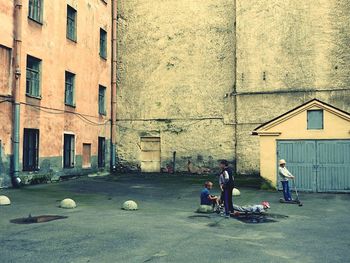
column 4, row 200
column 205, row 209
column 68, row 203
column 236, row 192
column 130, row 205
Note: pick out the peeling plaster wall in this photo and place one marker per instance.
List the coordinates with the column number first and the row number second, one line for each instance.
column 176, row 63
column 288, row 52
column 48, row 42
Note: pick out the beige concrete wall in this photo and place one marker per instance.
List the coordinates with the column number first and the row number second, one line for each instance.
column 176, row 60
column 288, row 52
column 176, row 63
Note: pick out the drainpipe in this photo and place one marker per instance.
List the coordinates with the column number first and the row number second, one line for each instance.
column 16, row 92
column 114, row 86
column 235, row 84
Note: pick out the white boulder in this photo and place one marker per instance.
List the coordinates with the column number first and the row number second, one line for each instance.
column 205, row 209
column 68, row 203
column 236, row 192
column 130, row 205
column 4, row 200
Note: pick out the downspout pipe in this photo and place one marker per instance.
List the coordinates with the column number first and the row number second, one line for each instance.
column 235, row 87
column 16, row 92
column 114, row 86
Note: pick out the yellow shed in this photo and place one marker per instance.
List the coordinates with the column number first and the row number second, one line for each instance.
column 314, row 139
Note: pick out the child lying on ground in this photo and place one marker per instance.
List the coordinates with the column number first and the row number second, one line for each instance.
column 252, row 208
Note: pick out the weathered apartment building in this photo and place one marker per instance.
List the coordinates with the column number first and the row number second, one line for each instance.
column 55, row 88
column 198, row 77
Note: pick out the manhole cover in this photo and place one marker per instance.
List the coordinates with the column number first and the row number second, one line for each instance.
column 36, row 219
column 259, row 218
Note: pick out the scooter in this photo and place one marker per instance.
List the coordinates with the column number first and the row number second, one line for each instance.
column 294, row 201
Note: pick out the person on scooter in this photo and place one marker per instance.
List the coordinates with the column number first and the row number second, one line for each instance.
column 285, row 175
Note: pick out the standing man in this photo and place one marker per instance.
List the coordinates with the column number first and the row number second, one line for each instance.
column 227, row 186
column 285, row 175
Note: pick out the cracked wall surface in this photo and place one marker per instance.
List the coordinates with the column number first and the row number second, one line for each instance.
column 288, row 52
column 176, row 60
column 176, row 64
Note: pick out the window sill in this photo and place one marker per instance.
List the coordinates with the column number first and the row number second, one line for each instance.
column 34, row 97
column 72, row 40
column 86, row 167
column 70, row 105
column 35, row 21
column 103, row 58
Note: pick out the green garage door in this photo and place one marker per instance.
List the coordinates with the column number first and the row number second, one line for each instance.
column 319, row 165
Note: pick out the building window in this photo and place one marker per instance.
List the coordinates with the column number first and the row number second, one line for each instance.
column 69, row 89
column 86, row 155
column 68, row 151
column 33, row 76
column 101, row 152
column 102, row 100
column 30, row 150
column 71, row 23
column 5, row 70
column 103, row 44
column 315, row 119
column 35, row 10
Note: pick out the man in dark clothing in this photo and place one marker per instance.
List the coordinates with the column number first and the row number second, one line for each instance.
column 228, row 185
column 206, row 197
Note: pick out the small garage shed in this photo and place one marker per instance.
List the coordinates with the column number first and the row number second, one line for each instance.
column 314, row 139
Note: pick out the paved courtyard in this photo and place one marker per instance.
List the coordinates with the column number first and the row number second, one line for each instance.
column 166, row 229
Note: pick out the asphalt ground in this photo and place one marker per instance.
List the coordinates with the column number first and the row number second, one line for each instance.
column 166, row 227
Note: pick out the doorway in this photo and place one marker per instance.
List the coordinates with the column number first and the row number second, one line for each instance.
column 150, row 154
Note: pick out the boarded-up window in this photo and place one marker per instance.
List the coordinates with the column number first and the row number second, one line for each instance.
column 315, row 119
column 86, row 155
column 150, row 154
column 5, row 70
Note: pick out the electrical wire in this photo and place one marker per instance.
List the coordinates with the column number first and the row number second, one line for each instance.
column 2, row 101
column 59, row 111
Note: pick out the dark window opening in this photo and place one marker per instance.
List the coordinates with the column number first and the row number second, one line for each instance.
column 103, row 43
column 30, row 150
column 102, row 100
column 71, row 23
column 68, row 151
column 33, row 72
column 69, row 89
column 35, row 10
column 101, row 152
